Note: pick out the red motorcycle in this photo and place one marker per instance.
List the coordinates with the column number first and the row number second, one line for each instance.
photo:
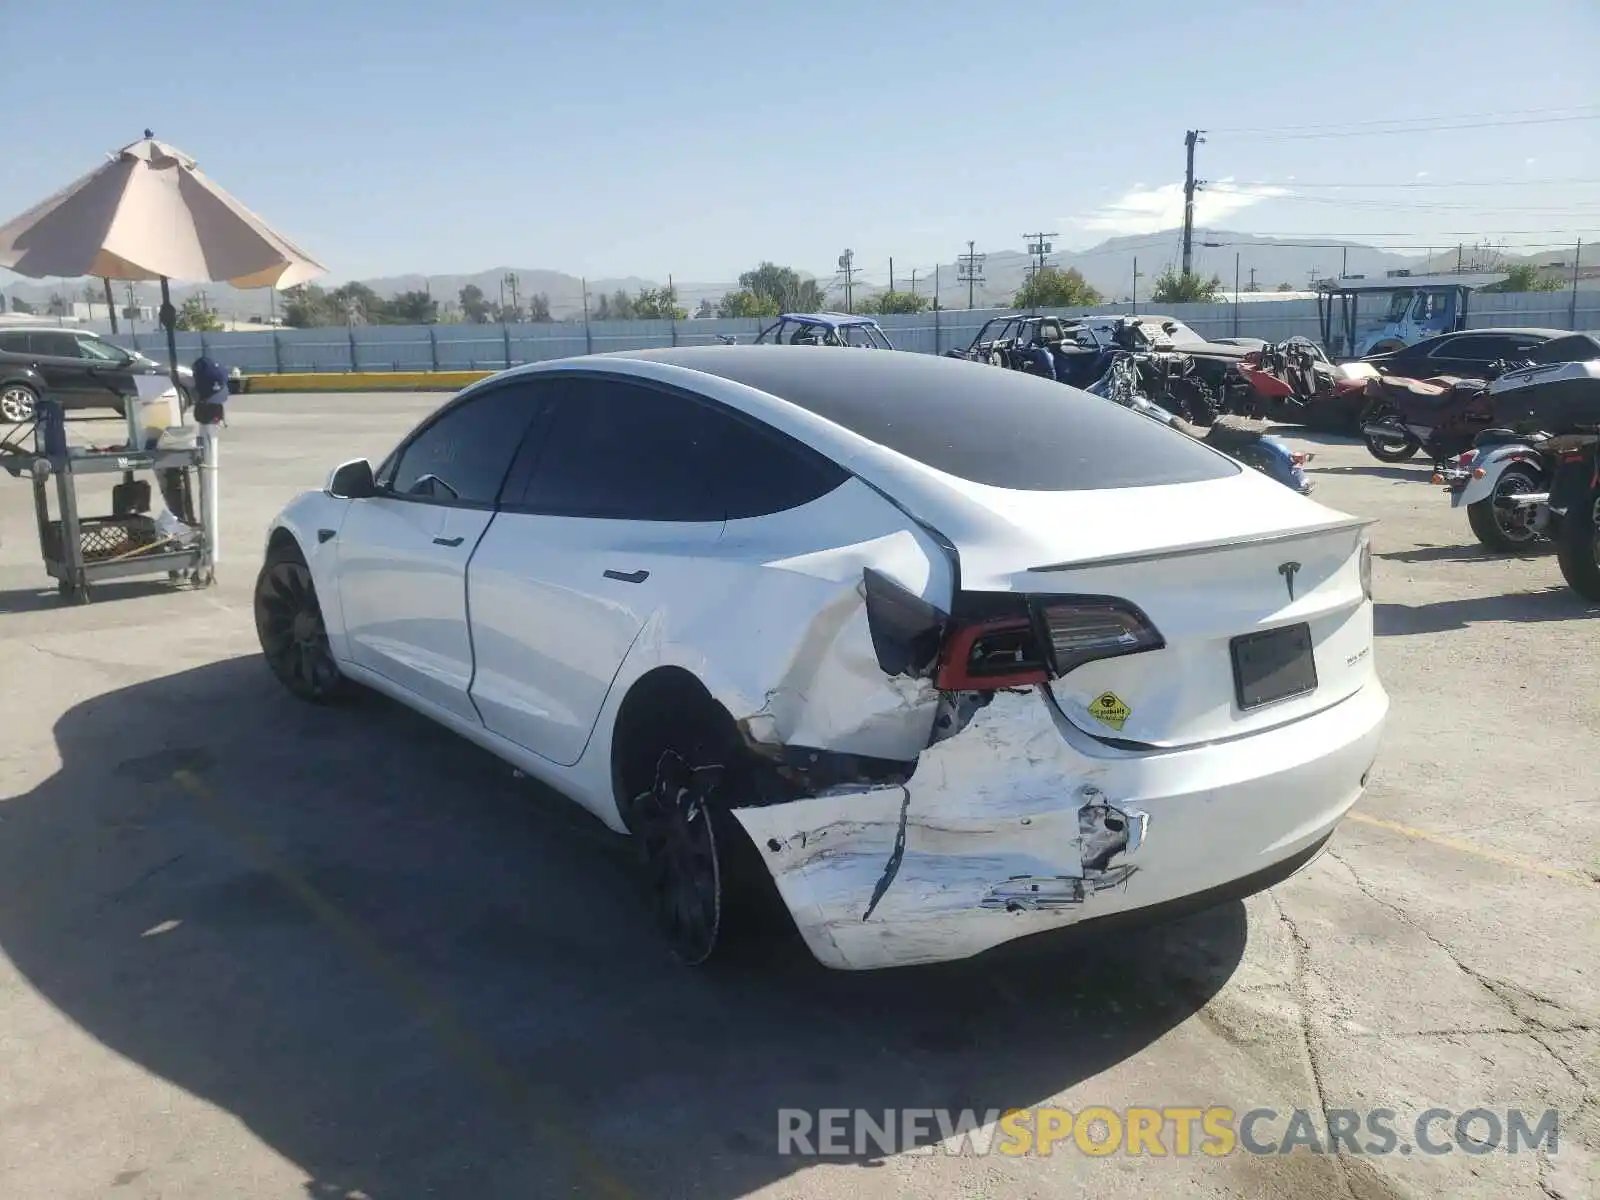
column 1295, row 381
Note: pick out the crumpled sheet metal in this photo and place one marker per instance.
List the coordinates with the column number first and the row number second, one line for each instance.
column 989, row 826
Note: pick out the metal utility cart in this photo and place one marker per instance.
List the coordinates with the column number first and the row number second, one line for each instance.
column 80, row 551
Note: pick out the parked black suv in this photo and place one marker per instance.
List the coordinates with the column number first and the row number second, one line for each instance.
column 77, row 367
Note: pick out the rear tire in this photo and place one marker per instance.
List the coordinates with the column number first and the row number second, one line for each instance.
column 1488, row 516
column 1388, row 450
column 698, row 865
column 1578, row 549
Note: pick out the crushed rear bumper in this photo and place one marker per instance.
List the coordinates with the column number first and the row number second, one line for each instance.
column 1021, row 824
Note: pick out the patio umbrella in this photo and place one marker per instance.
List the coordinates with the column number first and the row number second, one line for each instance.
column 149, row 213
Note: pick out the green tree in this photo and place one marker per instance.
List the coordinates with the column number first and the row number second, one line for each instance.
column 783, row 288
column 745, row 303
column 308, row 306
column 19, row 305
column 1286, row 286
column 358, row 304
column 658, row 304
column 413, row 308
column 475, row 310
column 57, row 305
column 1525, row 277
column 1188, row 288
column 892, row 302
column 194, row 315
column 1051, row 287
column 539, row 309
column 706, row 309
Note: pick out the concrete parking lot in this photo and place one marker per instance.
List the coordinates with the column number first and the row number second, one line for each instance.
column 250, row 948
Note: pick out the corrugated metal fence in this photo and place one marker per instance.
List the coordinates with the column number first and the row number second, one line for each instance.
column 492, row 347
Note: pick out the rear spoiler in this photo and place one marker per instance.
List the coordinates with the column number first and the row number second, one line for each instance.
column 1259, row 539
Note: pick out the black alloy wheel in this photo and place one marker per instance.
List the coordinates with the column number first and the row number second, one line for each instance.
column 677, row 823
column 289, row 624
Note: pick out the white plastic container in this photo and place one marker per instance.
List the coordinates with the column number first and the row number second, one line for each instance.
column 156, row 408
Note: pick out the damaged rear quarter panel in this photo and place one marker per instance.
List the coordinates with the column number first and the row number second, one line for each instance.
column 783, row 641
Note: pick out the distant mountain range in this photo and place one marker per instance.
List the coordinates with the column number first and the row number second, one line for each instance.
column 1108, row 266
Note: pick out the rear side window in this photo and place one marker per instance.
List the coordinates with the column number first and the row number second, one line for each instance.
column 15, row 341
column 759, row 472
column 56, row 345
column 462, row 455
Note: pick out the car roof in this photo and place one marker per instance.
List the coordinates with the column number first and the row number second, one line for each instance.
column 1497, row 330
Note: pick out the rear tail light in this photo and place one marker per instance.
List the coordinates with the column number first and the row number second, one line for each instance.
column 999, row 639
column 1080, row 630
column 1365, row 566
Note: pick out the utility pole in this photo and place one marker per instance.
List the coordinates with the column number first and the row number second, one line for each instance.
column 1190, row 186
column 111, row 305
column 1135, row 304
column 133, row 307
column 1572, row 305
column 1235, row 293
column 1460, row 250
column 848, row 269
column 969, row 269
column 1344, row 265
column 1037, row 248
column 588, row 337
column 1252, row 287
column 913, row 280
column 891, row 274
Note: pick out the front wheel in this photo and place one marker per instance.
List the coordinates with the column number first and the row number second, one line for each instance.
column 289, row 625
column 1398, row 447
column 18, row 404
column 1578, row 549
column 1496, row 521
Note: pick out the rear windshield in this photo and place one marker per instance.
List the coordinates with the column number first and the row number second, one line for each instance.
column 1580, row 347
column 971, row 420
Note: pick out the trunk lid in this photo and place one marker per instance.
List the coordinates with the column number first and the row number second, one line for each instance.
column 1207, row 563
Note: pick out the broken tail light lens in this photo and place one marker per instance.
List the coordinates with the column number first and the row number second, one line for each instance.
column 1083, row 630
column 1046, row 636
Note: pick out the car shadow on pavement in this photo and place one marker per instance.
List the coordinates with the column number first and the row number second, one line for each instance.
column 411, row 973
column 1547, row 604
column 1416, row 474
column 1472, row 552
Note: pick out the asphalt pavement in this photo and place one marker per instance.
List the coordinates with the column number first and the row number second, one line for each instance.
column 251, row 948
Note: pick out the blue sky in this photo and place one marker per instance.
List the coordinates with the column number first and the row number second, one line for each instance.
column 615, row 137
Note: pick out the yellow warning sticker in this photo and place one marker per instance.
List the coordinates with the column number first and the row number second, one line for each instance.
column 1108, row 708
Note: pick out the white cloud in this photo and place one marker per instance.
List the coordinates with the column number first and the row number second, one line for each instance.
column 1528, row 162
column 1422, row 174
column 1150, row 210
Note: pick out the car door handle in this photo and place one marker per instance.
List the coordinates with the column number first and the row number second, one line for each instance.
column 455, row 541
column 628, row 576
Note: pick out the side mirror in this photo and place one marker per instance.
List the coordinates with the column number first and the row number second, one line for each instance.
column 351, row 480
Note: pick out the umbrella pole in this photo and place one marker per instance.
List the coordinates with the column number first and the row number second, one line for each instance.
column 169, row 318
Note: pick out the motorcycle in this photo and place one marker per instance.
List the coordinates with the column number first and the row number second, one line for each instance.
column 1501, row 482
column 1574, row 508
column 1121, row 384
column 1441, row 415
column 1295, row 381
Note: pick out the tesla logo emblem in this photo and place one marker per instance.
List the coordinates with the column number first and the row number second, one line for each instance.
column 1288, row 570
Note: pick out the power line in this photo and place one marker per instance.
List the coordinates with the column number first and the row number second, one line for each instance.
column 1503, row 113
column 1412, row 183
column 1287, row 137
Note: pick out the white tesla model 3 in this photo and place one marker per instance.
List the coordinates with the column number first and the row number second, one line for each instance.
column 959, row 654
